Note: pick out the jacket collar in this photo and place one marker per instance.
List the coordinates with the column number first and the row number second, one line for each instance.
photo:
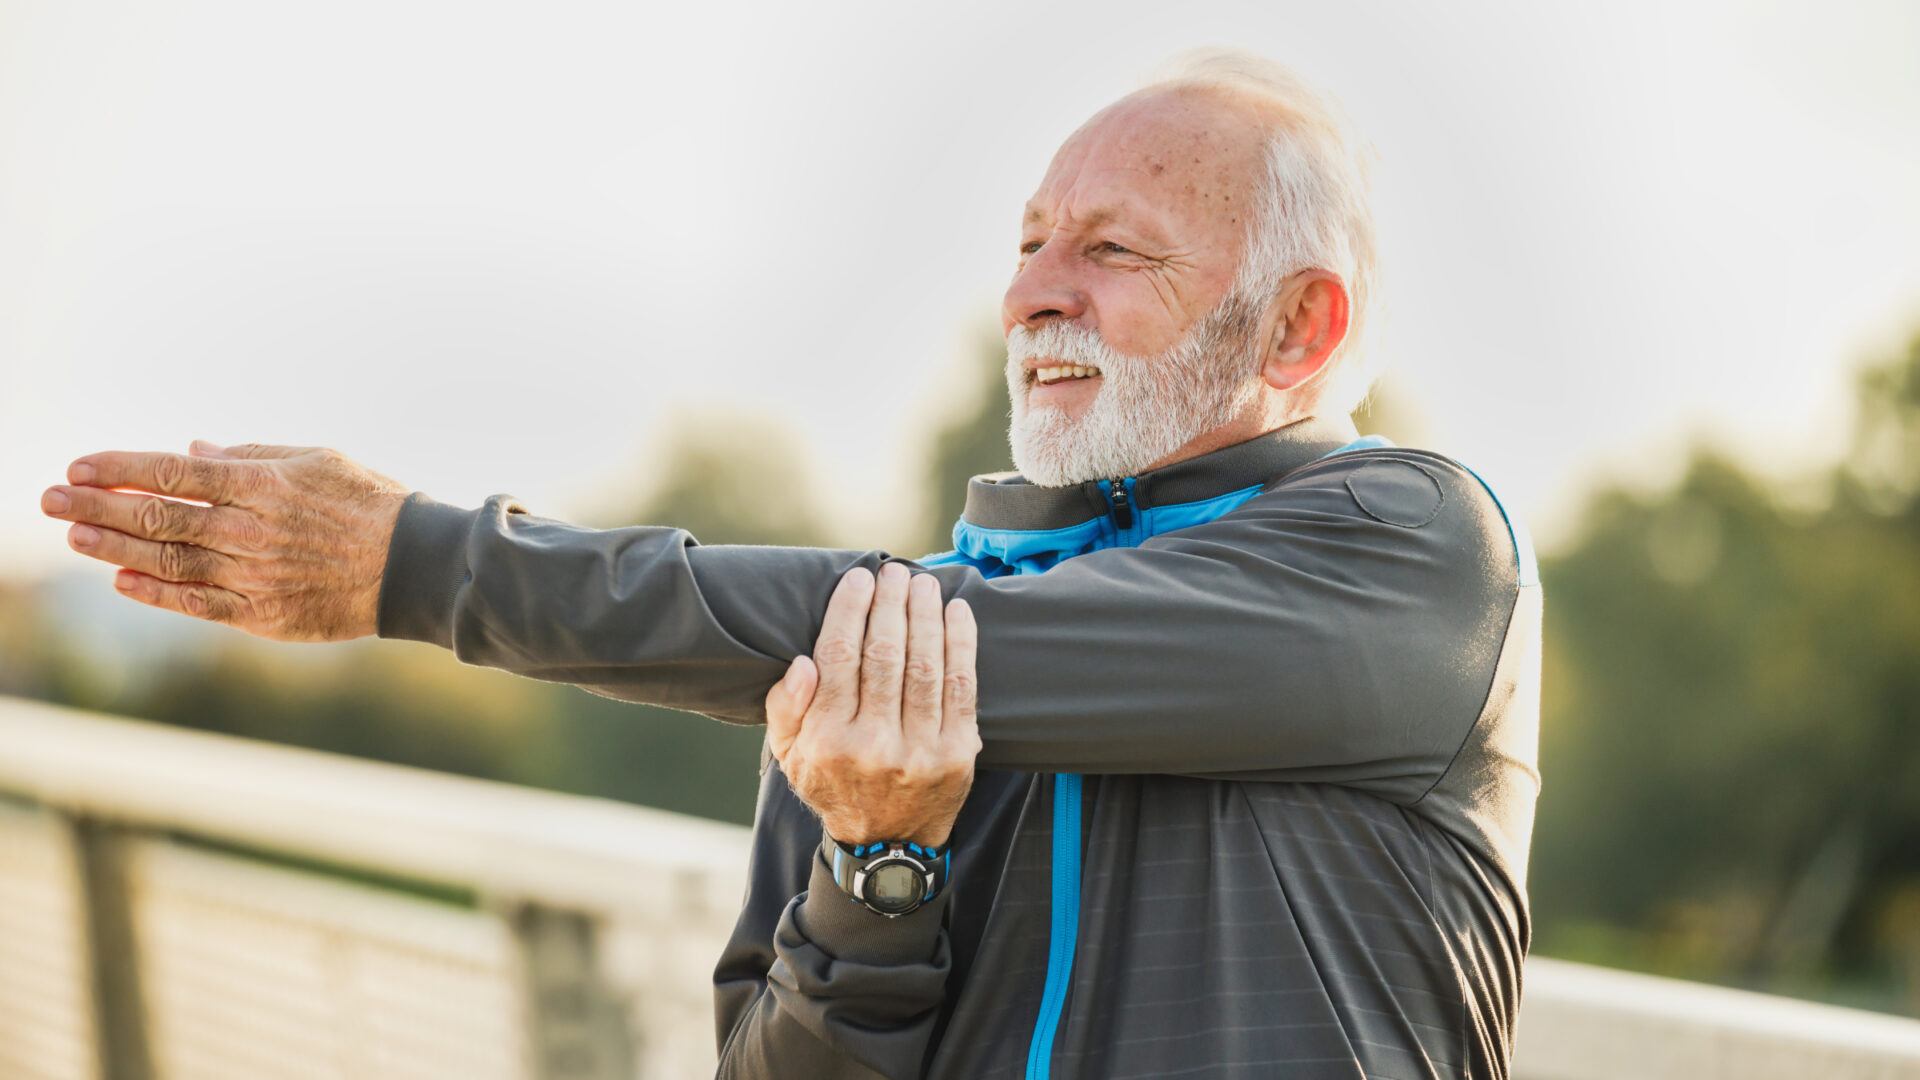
column 1008, row 501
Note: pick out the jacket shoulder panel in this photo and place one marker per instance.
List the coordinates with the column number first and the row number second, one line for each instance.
column 1397, row 492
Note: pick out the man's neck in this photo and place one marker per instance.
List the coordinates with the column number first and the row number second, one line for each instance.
column 1231, row 433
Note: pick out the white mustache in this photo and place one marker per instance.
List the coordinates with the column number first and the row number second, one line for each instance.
column 1062, row 342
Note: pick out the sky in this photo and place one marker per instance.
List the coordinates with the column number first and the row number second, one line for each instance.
column 489, row 248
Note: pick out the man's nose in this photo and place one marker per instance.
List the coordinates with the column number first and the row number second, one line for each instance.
column 1043, row 289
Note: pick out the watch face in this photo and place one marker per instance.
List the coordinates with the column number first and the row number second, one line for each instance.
column 895, row 887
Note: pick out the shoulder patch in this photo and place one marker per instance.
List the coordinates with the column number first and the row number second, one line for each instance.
column 1397, row 492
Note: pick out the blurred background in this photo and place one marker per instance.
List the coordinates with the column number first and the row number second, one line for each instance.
column 1654, row 271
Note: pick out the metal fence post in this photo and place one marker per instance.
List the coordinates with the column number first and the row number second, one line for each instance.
column 578, row 1025
column 120, row 1020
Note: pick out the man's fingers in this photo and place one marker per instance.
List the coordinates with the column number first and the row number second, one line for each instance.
column 149, row 517
column 960, row 690
column 837, row 651
column 886, row 647
column 253, row 451
column 201, row 601
column 179, row 475
column 787, row 705
column 926, row 660
column 169, row 562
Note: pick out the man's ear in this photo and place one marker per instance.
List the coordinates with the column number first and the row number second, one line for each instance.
column 1309, row 323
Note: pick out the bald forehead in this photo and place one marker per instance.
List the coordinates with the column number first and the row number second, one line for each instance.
column 1190, row 156
column 1190, row 130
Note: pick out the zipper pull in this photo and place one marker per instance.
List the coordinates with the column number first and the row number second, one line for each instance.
column 1122, row 506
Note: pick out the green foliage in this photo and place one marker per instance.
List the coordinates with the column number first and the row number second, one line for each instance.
column 732, row 480
column 28, row 658
column 974, row 441
column 1882, row 473
column 1729, row 743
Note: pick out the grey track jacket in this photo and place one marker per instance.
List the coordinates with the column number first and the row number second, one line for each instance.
column 1257, row 785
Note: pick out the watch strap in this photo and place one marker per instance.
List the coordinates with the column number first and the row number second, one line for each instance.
column 850, row 861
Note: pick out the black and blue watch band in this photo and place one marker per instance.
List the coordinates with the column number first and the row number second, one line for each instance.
column 891, row 877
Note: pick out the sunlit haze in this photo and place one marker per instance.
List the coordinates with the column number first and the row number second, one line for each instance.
column 489, row 249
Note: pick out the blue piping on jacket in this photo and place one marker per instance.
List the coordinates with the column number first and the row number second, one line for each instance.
column 1066, row 923
column 1522, row 539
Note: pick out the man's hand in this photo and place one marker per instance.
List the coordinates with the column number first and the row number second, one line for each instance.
column 884, row 749
column 292, row 547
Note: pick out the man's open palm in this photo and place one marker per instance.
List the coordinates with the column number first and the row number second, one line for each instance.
column 291, row 544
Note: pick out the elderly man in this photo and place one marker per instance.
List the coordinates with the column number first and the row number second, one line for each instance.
column 1256, row 697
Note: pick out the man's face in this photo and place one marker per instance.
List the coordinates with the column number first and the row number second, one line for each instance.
column 1127, row 252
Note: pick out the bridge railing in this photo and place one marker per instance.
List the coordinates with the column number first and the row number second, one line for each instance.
column 176, row 904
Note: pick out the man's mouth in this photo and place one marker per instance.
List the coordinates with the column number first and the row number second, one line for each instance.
column 1047, row 376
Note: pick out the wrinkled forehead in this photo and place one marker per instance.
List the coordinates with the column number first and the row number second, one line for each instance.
column 1182, row 164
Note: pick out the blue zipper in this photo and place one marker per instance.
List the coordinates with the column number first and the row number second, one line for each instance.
column 1066, row 922
column 1123, row 513
column 1127, row 522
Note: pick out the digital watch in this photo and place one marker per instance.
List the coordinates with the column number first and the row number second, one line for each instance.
column 890, row 877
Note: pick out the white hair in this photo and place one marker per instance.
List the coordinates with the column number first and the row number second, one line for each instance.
column 1313, row 209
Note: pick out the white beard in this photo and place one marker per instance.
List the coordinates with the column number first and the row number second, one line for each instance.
column 1147, row 406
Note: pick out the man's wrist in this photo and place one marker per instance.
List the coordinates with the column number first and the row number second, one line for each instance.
column 853, row 833
column 845, row 927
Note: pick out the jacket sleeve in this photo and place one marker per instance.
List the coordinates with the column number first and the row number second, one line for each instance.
column 812, row 984
column 1342, row 626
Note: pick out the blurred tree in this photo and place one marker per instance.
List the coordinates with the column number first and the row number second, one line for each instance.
column 1882, row 473
column 732, row 480
column 1731, row 730
column 26, row 654
column 972, row 442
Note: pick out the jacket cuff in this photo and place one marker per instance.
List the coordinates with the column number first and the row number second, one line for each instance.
column 847, row 930
column 426, row 565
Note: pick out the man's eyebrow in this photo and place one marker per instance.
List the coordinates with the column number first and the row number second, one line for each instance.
column 1098, row 216
column 1095, row 217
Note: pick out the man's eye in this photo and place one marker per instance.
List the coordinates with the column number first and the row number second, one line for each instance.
column 1112, row 248
column 1030, row 247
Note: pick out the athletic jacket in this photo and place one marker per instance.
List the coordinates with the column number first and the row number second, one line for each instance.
column 1256, row 788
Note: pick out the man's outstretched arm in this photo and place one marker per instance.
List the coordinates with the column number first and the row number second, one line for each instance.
column 1299, row 637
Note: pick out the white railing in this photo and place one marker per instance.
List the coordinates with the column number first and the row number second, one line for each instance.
column 178, row 904
column 449, row 922
column 1579, row 1022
